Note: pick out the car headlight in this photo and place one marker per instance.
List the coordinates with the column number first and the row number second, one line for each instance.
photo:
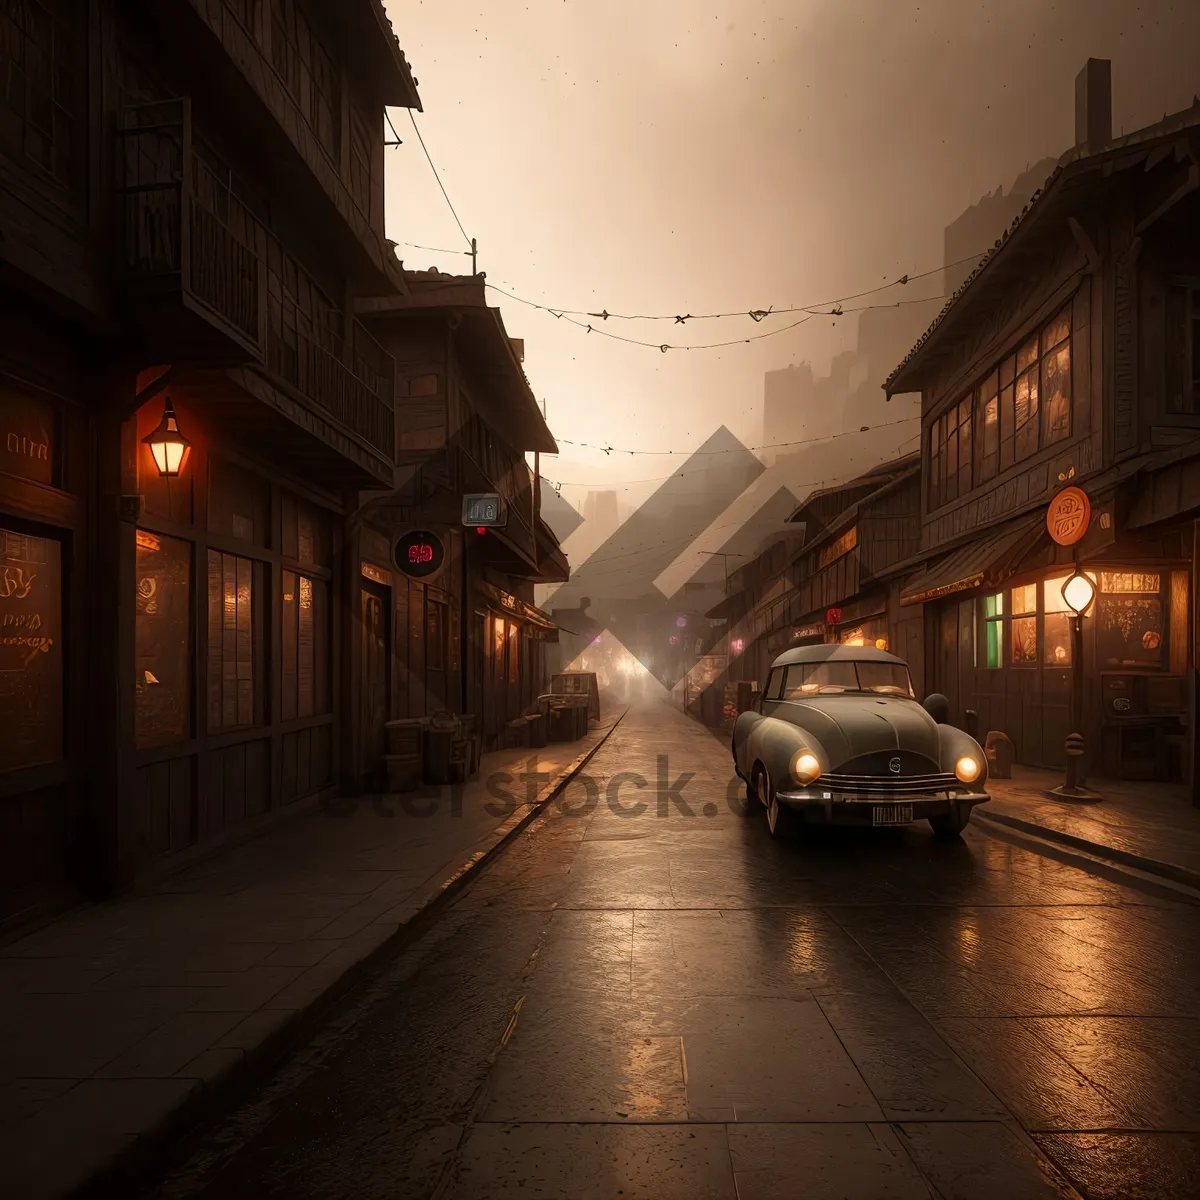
column 967, row 768
column 805, row 767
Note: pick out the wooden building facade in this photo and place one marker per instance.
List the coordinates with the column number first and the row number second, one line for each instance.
column 1069, row 359
column 193, row 198
column 468, row 639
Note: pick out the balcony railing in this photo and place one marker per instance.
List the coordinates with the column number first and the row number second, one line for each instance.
column 362, row 404
column 187, row 234
column 172, row 239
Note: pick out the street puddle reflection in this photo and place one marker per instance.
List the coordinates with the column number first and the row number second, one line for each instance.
column 655, row 1087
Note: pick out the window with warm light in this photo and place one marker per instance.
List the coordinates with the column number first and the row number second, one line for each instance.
column 1024, row 626
column 1021, row 406
column 232, row 640
column 1129, row 619
column 1057, row 628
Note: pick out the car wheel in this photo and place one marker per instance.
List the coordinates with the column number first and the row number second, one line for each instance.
column 781, row 820
column 951, row 824
column 757, row 786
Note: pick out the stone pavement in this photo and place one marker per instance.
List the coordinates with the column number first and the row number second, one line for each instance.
column 1150, row 826
column 119, row 1020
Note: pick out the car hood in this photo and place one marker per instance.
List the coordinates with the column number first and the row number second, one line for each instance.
column 847, row 727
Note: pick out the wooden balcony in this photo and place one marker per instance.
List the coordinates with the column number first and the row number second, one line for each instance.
column 358, row 398
column 196, row 285
column 190, row 282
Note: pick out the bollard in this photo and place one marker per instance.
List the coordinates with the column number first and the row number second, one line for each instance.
column 1074, row 747
column 1000, row 754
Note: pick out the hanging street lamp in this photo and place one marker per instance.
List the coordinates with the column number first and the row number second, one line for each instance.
column 168, row 446
column 1078, row 593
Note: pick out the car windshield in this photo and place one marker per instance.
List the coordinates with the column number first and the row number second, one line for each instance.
column 845, row 675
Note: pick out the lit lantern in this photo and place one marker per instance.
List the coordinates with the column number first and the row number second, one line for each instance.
column 1079, row 592
column 168, row 446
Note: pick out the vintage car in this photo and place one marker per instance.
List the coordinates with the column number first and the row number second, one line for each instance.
column 839, row 738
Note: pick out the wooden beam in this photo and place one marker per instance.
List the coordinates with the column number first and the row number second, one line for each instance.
column 1085, row 244
column 1185, row 189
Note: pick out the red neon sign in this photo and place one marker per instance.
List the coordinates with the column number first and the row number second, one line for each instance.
column 422, row 552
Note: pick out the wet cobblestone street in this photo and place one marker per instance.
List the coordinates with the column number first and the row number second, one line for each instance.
column 669, row 1004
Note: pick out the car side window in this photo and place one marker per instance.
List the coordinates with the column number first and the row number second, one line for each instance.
column 774, row 689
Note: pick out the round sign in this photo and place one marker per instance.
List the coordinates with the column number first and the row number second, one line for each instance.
column 419, row 553
column 1068, row 516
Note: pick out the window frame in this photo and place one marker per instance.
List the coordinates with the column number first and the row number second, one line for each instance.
column 1187, row 350
column 993, row 620
column 952, row 434
column 215, row 647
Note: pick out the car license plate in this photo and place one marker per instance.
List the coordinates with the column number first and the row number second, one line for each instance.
column 891, row 814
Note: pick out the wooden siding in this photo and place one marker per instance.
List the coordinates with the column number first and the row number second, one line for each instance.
column 1035, row 479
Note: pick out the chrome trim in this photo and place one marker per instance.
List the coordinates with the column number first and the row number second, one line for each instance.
column 821, row 795
column 881, row 784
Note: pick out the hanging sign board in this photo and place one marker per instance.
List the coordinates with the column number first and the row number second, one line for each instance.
column 419, row 554
column 484, row 510
column 833, row 616
column 1068, row 516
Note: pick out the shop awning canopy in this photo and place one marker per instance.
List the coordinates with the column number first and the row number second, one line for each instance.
column 977, row 564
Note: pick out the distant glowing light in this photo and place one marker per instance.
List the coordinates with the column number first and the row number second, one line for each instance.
column 737, row 645
column 681, row 622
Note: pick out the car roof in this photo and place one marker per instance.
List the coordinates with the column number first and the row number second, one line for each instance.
column 831, row 652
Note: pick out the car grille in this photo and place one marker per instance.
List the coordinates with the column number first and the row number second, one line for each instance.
column 891, row 785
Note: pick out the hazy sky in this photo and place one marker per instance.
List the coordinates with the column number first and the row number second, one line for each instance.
column 686, row 156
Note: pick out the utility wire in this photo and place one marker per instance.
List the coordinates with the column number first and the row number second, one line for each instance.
column 436, row 249
column 738, row 449
column 438, row 177
column 754, row 314
column 647, row 547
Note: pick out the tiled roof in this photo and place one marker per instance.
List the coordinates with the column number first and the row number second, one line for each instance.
column 1170, row 124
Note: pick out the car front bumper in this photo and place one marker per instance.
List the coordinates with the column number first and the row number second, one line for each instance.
column 819, row 806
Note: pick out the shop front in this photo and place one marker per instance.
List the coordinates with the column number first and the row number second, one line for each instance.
column 43, row 623
column 511, row 651
column 1001, row 644
column 235, row 654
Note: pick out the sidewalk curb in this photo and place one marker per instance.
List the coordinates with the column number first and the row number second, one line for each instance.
column 127, row 1169
column 1163, row 880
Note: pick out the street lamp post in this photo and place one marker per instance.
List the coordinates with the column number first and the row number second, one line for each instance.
column 1078, row 594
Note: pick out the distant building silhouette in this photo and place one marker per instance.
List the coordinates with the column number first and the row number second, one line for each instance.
column 976, row 229
column 562, row 517
column 600, row 510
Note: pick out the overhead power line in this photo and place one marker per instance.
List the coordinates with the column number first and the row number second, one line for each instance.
column 758, row 314
column 646, row 547
column 438, row 177
column 738, row 449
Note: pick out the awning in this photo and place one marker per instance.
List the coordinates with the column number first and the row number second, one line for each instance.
column 512, row 607
column 980, row 563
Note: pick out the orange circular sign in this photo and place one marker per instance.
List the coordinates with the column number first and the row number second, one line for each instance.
column 1068, row 516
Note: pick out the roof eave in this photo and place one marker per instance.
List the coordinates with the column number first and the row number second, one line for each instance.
column 397, row 86
column 907, row 376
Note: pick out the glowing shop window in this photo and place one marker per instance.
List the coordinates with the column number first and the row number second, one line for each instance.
column 993, row 613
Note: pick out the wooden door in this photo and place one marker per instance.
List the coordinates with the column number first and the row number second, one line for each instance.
column 373, row 694
column 513, row 687
column 947, row 656
column 478, row 660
